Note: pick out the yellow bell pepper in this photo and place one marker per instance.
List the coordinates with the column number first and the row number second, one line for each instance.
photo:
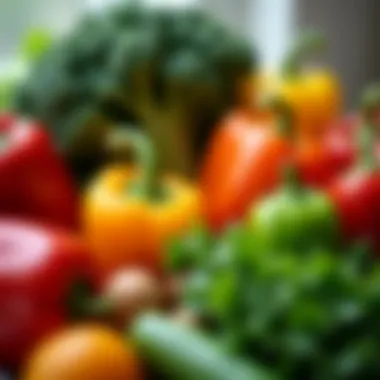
column 314, row 94
column 130, row 213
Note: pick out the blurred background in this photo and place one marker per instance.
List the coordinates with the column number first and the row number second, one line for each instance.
column 351, row 26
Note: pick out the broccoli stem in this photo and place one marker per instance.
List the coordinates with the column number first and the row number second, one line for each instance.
column 170, row 125
column 170, row 134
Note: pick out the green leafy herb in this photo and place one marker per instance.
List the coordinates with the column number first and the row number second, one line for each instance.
column 311, row 315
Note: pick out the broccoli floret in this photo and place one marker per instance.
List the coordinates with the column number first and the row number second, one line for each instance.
column 171, row 71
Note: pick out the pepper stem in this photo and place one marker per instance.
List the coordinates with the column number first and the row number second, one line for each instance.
column 370, row 109
column 284, row 122
column 312, row 41
column 144, row 155
column 283, row 113
column 284, row 127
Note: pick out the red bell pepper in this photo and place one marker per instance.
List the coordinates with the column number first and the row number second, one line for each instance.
column 242, row 165
column 357, row 193
column 34, row 181
column 320, row 161
column 39, row 267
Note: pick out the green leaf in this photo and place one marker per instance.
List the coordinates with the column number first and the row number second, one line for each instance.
column 35, row 43
column 191, row 250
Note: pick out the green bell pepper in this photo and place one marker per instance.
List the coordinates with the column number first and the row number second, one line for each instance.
column 295, row 218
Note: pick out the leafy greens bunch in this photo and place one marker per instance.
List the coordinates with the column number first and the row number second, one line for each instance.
column 311, row 315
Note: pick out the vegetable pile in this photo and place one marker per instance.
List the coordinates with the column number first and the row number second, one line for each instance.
column 127, row 253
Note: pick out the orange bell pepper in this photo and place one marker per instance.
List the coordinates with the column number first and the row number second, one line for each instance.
column 130, row 213
column 242, row 165
column 314, row 95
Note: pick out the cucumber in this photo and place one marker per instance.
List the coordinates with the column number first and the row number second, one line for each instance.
column 183, row 354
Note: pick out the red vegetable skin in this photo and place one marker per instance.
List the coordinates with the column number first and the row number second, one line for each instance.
column 34, row 181
column 357, row 196
column 321, row 161
column 38, row 267
column 357, row 193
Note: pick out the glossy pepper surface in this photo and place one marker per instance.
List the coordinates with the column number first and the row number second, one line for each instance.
column 321, row 160
column 38, row 267
column 294, row 218
column 242, row 165
column 357, row 192
column 130, row 212
column 314, row 95
column 34, row 182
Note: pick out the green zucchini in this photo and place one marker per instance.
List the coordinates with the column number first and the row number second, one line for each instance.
column 180, row 353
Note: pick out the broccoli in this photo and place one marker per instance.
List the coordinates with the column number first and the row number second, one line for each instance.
column 170, row 71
